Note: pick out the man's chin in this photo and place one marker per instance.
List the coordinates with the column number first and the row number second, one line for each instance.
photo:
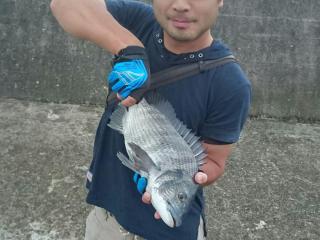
column 182, row 35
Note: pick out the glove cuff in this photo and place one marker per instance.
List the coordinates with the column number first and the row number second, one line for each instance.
column 130, row 53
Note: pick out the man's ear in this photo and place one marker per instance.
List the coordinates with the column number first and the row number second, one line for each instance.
column 220, row 3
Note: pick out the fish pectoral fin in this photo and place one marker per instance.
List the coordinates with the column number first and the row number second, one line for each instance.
column 127, row 162
column 141, row 158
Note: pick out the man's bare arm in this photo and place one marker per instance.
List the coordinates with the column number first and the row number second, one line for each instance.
column 90, row 20
column 215, row 163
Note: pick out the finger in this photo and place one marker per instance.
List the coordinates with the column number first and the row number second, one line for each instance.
column 119, row 97
column 157, row 215
column 117, row 85
column 112, row 77
column 146, row 198
column 129, row 101
column 111, row 84
column 138, row 93
column 136, row 177
column 141, row 184
column 124, row 92
column 201, row 178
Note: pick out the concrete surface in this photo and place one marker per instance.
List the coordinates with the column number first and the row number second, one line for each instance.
column 277, row 42
column 270, row 189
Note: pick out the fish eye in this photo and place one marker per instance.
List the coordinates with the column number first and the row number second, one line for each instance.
column 182, row 196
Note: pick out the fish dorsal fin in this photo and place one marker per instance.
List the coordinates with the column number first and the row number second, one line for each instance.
column 116, row 118
column 163, row 106
column 141, row 158
column 191, row 139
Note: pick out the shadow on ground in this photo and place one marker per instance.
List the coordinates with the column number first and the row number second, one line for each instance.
column 270, row 189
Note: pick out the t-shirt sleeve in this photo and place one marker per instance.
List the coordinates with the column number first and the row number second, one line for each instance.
column 228, row 108
column 132, row 15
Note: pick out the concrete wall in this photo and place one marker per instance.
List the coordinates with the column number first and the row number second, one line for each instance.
column 277, row 42
column 40, row 62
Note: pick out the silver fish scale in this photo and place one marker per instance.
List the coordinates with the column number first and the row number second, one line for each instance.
column 155, row 135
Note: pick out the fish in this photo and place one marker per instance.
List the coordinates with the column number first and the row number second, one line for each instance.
column 162, row 149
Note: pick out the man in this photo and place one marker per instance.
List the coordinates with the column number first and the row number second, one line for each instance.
column 214, row 104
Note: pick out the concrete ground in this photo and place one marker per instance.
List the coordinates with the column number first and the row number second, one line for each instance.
column 270, row 189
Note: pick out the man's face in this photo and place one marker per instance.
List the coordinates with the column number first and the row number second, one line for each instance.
column 186, row 20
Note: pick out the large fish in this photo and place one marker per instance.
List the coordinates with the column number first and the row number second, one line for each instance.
column 162, row 149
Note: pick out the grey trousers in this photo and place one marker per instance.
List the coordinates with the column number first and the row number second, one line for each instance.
column 102, row 226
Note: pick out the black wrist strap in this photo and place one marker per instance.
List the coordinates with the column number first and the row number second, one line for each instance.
column 130, row 52
column 179, row 72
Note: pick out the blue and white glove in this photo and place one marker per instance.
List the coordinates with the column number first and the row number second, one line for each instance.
column 141, row 182
column 130, row 75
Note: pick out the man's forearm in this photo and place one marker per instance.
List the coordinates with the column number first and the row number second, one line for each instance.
column 90, row 20
column 213, row 171
column 217, row 156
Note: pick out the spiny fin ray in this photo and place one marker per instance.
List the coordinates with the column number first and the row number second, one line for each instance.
column 163, row 106
column 116, row 118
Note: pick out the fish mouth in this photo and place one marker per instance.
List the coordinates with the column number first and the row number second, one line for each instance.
column 163, row 208
column 176, row 221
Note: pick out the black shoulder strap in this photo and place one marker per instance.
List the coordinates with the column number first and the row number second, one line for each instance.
column 179, row 72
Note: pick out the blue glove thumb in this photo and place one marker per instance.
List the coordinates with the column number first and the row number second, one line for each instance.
column 141, row 182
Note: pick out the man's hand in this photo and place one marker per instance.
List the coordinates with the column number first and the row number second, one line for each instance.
column 217, row 155
column 130, row 76
column 141, row 182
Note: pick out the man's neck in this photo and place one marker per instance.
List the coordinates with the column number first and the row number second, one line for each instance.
column 178, row 47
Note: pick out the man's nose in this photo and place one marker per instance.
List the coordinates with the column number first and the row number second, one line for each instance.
column 181, row 5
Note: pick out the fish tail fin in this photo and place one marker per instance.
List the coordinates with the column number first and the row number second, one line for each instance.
column 116, row 119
